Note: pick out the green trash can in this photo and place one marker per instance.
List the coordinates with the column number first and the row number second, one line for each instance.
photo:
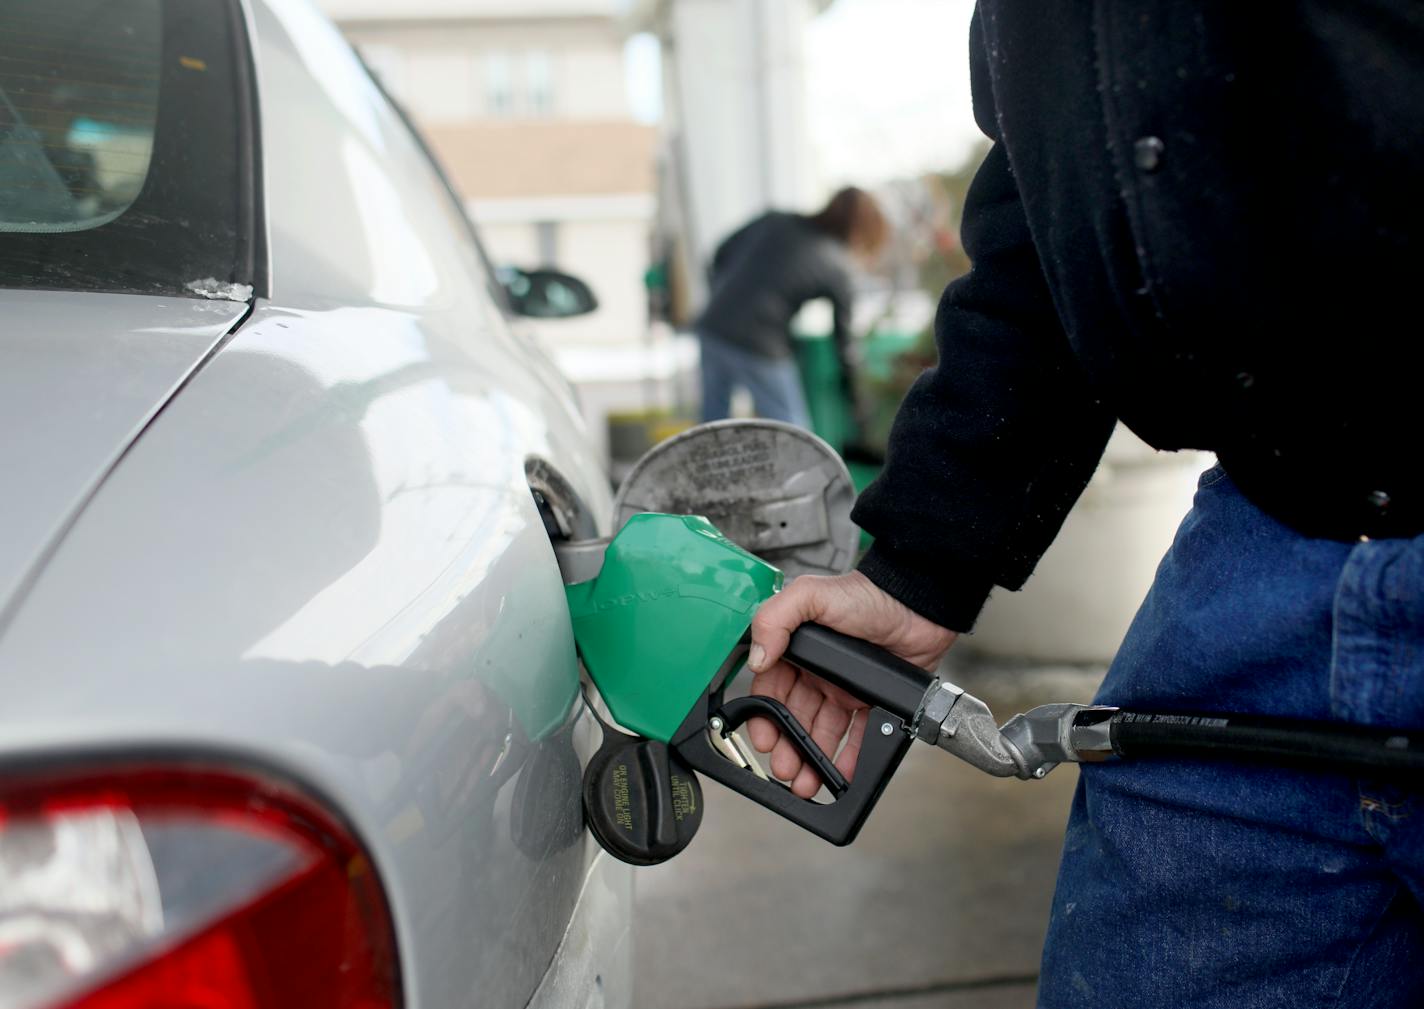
column 820, row 368
column 821, row 378
column 831, row 415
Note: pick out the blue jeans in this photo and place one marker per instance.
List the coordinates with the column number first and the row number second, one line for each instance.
column 775, row 383
column 1205, row 884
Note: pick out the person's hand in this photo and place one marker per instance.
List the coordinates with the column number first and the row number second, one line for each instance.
column 851, row 604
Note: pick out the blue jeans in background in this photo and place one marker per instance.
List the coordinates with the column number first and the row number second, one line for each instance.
column 775, row 383
column 1191, row 883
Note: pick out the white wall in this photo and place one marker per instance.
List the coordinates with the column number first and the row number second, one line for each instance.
column 589, row 83
column 512, row 243
column 602, row 253
column 442, row 73
column 441, row 84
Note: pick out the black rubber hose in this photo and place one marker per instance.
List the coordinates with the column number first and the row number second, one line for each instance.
column 1332, row 746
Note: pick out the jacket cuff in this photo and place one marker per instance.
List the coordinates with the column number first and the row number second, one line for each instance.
column 950, row 595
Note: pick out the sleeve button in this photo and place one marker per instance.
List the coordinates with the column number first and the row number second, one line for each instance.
column 1147, row 153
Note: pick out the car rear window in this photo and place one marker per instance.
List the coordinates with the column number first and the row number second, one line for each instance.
column 126, row 147
column 77, row 111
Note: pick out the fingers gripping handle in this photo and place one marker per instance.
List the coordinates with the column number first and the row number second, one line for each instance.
column 886, row 740
column 861, row 669
column 838, row 822
column 735, row 712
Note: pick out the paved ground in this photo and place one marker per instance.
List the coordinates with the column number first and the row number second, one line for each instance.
column 940, row 904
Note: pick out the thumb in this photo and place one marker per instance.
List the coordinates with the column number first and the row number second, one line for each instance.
column 802, row 600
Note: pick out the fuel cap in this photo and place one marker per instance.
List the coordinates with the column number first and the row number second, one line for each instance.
column 773, row 489
column 642, row 803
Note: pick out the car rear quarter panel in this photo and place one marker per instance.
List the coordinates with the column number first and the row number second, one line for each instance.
column 324, row 554
column 80, row 376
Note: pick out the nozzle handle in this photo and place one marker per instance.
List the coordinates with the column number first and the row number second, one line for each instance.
column 839, row 821
column 861, row 669
column 887, row 737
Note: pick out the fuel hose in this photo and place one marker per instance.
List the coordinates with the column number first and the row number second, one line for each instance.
column 1332, row 746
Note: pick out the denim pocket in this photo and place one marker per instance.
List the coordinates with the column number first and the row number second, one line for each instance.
column 1214, row 475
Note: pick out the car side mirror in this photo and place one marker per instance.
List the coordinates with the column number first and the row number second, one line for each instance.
column 545, row 293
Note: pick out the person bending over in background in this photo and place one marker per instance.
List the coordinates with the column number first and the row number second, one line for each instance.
column 1203, row 220
column 761, row 276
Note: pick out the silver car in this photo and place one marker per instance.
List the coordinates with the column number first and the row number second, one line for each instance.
column 289, row 703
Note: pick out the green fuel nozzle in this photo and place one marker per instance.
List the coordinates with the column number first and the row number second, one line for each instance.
column 662, row 629
column 670, row 603
column 708, row 522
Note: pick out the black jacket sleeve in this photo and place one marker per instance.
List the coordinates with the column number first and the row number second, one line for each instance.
column 992, row 447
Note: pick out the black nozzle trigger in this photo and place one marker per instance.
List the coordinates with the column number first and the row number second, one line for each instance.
column 886, row 740
column 736, row 711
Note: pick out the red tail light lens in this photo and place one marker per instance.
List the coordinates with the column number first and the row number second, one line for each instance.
column 153, row 887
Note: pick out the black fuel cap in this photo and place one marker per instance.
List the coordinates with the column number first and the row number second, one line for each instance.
column 641, row 801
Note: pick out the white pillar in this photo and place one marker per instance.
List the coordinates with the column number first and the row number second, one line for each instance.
column 735, row 112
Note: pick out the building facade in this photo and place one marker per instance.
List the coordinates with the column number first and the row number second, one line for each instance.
column 525, row 106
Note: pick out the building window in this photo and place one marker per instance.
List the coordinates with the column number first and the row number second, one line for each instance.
column 499, row 85
column 547, row 235
column 539, row 83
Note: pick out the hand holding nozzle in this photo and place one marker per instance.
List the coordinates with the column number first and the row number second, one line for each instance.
column 937, row 712
column 1031, row 744
column 837, row 670
column 855, row 606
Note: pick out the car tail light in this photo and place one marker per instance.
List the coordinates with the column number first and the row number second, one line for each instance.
column 151, row 887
